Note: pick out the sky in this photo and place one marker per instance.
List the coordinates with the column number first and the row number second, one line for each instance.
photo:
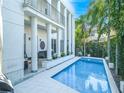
column 80, row 7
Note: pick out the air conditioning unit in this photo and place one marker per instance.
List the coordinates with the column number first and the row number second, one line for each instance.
column 122, row 86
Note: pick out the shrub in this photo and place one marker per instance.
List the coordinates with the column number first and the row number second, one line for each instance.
column 67, row 52
column 62, row 54
column 55, row 55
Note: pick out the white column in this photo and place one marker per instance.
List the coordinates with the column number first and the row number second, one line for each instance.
column 49, row 1
column 34, row 2
column 59, row 5
column 49, row 7
column 34, row 44
column 65, row 32
column 59, row 9
column 73, row 35
column 1, row 36
column 69, row 33
column 59, row 30
column 58, row 42
column 49, row 48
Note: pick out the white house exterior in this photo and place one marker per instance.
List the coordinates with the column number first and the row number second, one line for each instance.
column 1, row 35
column 94, row 35
column 31, row 27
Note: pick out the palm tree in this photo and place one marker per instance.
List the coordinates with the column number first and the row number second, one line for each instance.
column 110, row 11
column 107, row 16
column 98, row 15
column 81, row 33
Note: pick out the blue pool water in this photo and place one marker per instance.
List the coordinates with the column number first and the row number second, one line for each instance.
column 86, row 76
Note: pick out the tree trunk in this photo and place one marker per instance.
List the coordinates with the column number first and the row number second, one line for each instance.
column 84, row 44
column 84, row 47
column 97, row 49
column 108, row 45
column 116, row 60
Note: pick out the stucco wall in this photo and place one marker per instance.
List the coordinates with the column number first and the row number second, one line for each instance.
column 13, row 32
column 1, row 35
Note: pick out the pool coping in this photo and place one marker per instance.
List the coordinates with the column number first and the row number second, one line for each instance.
column 112, row 83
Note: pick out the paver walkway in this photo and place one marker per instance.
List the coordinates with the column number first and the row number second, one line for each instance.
column 43, row 83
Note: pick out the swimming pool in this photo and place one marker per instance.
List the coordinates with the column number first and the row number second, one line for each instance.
column 86, row 75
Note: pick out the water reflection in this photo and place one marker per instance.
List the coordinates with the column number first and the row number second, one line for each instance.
column 96, row 84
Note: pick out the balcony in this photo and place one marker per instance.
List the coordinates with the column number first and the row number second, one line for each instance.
column 46, row 9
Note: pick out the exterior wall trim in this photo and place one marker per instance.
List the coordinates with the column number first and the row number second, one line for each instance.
column 38, row 14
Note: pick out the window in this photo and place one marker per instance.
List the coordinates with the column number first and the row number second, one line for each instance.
column 54, row 45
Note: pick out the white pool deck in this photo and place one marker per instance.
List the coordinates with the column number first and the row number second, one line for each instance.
column 43, row 83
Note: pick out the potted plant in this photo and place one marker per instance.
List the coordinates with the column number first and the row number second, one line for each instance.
column 55, row 55
column 67, row 52
column 62, row 54
column 71, row 52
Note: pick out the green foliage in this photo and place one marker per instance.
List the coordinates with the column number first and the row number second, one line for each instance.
column 112, row 12
column 121, row 57
column 96, row 49
column 113, row 49
column 68, row 52
column 55, row 55
column 106, row 15
column 80, row 53
column 81, row 33
column 62, row 54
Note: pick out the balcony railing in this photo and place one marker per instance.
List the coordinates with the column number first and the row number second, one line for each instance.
column 47, row 10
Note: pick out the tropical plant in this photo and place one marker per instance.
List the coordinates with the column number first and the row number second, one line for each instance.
column 55, row 55
column 62, row 54
column 81, row 34
column 108, row 15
